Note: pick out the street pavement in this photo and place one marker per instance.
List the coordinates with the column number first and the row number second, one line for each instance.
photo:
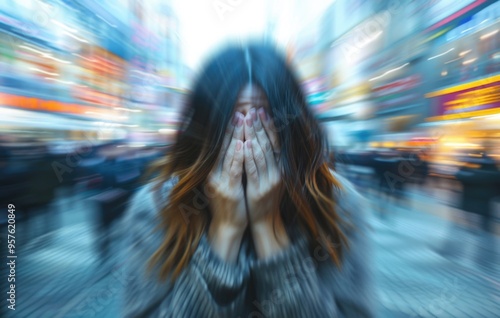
column 61, row 274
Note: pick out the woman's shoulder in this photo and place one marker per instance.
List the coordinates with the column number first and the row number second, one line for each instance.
column 349, row 200
column 149, row 199
column 141, row 240
column 142, row 216
column 346, row 187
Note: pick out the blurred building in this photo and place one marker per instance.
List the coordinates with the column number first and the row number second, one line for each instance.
column 88, row 69
column 393, row 73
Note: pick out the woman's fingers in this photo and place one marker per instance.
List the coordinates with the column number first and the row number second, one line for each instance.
column 236, row 170
column 228, row 161
column 233, row 131
column 225, row 144
column 249, row 130
column 258, row 154
column 250, row 167
column 238, row 133
column 265, row 143
column 270, row 132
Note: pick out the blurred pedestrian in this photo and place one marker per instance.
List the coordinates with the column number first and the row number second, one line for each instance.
column 421, row 165
column 40, row 192
column 480, row 181
column 7, row 179
column 250, row 219
column 387, row 180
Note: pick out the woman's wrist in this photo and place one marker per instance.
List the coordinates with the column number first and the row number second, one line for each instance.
column 225, row 240
column 270, row 237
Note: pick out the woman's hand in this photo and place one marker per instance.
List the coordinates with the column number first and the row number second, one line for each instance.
column 264, row 186
column 226, row 194
column 263, row 174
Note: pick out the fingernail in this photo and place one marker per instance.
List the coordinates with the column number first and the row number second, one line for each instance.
column 253, row 114
column 240, row 120
column 238, row 145
column 262, row 114
column 249, row 144
column 235, row 119
column 249, row 121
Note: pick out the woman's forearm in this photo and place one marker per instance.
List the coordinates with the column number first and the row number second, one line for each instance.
column 225, row 241
column 269, row 238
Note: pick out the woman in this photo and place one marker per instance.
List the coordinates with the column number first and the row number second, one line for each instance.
column 245, row 218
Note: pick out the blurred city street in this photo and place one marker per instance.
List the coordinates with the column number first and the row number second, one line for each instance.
column 404, row 95
column 62, row 273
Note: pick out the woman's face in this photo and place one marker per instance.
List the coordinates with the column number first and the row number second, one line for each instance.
column 251, row 96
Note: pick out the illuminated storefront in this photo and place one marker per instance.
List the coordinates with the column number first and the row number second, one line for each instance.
column 80, row 65
column 465, row 99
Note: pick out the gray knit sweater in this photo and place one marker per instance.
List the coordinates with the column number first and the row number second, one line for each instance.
column 299, row 282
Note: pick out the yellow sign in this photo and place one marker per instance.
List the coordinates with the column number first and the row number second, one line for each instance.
column 479, row 97
column 461, row 87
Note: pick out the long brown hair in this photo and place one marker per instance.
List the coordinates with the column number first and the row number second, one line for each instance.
column 308, row 202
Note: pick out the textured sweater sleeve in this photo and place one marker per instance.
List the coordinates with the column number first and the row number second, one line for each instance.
column 353, row 284
column 287, row 285
column 207, row 287
column 304, row 283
